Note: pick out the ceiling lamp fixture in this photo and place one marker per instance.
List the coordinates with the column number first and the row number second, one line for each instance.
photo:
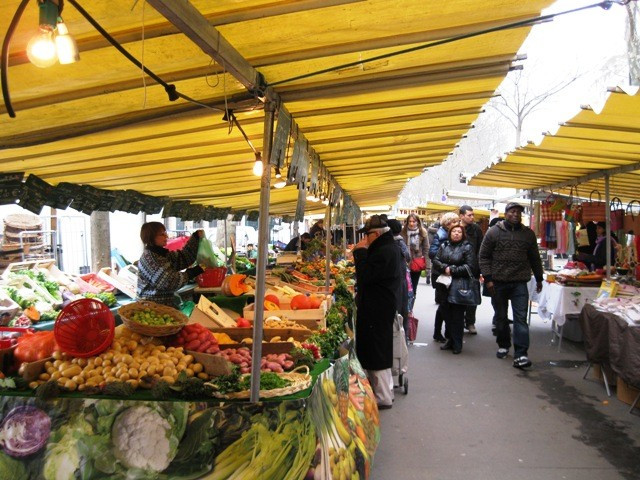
column 258, row 168
column 52, row 43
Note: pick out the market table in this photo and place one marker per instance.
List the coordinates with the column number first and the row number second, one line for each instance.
column 329, row 430
column 610, row 339
column 556, row 301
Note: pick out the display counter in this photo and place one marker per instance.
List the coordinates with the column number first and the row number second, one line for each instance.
column 329, row 431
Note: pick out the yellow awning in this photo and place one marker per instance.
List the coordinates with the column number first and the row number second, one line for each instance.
column 586, row 146
column 375, row 125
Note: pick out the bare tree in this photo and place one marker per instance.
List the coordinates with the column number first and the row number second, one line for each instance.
column 518, row 99
column 633, row 42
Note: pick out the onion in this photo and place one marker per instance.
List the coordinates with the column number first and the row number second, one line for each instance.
column 24, row 431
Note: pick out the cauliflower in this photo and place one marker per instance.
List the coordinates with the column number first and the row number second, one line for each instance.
column 142, row 439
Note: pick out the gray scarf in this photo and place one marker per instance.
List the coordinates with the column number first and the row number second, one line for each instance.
column 414, row 239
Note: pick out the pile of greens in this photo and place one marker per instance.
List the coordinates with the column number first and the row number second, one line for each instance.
column 109, row 299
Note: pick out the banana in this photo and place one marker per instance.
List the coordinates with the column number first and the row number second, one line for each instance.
column 345, row 436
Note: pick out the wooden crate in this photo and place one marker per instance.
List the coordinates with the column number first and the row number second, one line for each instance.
column 211, row 315
column 626, row 393
column 611, row 375
column 312, row 318
column 268, row 333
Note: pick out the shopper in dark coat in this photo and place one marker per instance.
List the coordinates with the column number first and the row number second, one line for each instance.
column 380, row 271
column 474, row 237
column 446, row 222
column 455, row 258
column 403, row 308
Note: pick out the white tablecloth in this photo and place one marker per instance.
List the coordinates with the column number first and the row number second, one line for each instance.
column 555, row 301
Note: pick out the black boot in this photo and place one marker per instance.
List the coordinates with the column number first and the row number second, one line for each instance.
column 448, row 345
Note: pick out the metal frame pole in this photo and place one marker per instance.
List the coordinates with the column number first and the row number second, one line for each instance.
column 226, row 255
column 607, row 219
column 263, row 250
column 344, row 238
column 327, row 224
column 531, row 210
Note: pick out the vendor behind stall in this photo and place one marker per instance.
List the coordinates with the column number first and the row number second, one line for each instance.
column 598, row 258
column 160, row 270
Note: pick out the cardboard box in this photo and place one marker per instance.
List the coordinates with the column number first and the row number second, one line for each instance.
column 626, row 393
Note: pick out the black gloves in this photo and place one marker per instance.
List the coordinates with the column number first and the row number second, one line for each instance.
column 193, row 272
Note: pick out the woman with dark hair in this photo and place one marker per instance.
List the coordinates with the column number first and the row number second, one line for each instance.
column 598, row 257
column 455, row 258
column 159, row 270
column 417, row 239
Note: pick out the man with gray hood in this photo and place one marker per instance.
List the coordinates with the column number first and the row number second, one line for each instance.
column 380, row 271
column 508, row 254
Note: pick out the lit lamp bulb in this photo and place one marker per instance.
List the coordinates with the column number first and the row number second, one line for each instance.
column 66, row 46
column 41, row 49
column 325, row 201
column 280, row 184
column 257, row 166
column 311, row 197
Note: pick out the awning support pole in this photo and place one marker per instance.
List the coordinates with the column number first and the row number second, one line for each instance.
column 226, row 256
column 531, row 210
column 263, row 250
column 327, row 226
column 607, row 219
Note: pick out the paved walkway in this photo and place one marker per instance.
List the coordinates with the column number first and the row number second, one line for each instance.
column 475, row 417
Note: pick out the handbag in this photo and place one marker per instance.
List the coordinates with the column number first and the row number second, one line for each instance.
column 444, row 280
column 418, row 264
column 582, row 237
column 465, row 290
column 594, row 211
column 552, row 209
column 631, row 222
column 573, row 210
column 617, row 214
column 413, row 328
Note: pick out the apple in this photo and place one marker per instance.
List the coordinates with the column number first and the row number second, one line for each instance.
column 243, row 323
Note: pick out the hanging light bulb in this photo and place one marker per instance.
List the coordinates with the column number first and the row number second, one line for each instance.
column 41, row 49
column 66, row 45
column 325, row 201
column 257, row 166
column 278, row 174
column 280, row 184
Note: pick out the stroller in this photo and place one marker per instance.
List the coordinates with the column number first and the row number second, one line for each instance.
column 400, row 356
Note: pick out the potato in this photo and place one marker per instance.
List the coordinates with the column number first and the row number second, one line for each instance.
column 197, row 367
column 169, row 379
column 70, row 385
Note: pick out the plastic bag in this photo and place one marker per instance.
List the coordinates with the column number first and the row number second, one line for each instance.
column 205, row 256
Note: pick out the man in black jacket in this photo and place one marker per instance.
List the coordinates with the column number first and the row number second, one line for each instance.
column 380, row 271
column 474, row 237
column 508, row 254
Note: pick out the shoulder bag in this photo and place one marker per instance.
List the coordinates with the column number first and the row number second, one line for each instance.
column 465, row 290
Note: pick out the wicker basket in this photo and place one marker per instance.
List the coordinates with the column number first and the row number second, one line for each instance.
column 299, row 381
column 126, row 313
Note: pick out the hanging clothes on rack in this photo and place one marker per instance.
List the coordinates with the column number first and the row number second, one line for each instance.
column 550, row 231
column 562, row 239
